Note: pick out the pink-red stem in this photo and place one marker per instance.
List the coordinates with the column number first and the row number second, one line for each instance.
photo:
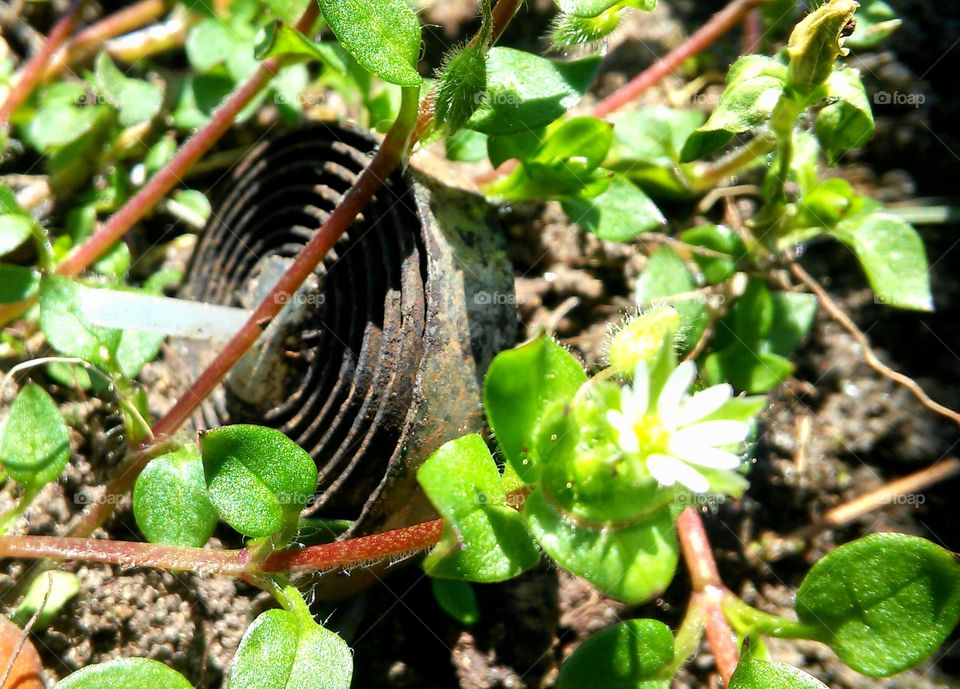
column 33, row 71
column 698, row 556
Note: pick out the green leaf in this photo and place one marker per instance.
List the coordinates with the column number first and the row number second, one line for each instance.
column 170, row 501
column 285, row 41
column 884, row 603
column 14, row 231
column 793, row 315
column 579, row 143
column 520, row 384
column 135, row 100
column 620, row 213
column 34, row 440
column 585, row 8
column 759, row 674
column 846, row 122
column 483, row 540
column 259, row 480
column 48, row 593
column 876, row 20
column 17, row 283
column 125, row 673
column 721, row 239
column 209, row 44
column 466, row 146
column 893, row 257
column 58, row 125
column 285, row 650
column 647, row 144
column 67, row 331
column 457, row 599
column 526, row 91
column 635, row 654
column 746, row 368
column 198, row 97
column 666, row 275
column 382, row 35
column 632, row 564
column 754, row 85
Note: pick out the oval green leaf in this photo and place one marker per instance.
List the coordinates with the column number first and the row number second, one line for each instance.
column 170, row 500
column 258, row 479
column 126, row 673
column 635, row 654
column 66, row 329
column 884, row 603
column 759, row 674
column 34, row 441
column 283, row 650
column 521, row 383
column 526, row 91
column 382, row 35
column 457, row 599
column 620, row 213
column 17, row 283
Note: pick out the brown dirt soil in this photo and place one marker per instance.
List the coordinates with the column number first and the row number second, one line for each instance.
column 834, row 430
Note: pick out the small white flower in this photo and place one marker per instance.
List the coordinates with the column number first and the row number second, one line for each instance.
column 669, row 433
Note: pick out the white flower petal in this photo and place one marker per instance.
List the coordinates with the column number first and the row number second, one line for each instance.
column 673, row 391
column 626, row 436
column 713, row 433
column 702, row 455
column 639, row 397
column 669, row 470
column 704, row 403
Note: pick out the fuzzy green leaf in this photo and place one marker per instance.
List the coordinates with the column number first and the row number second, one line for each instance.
column 632, row 563
column 135, row 100
column 664, row 276
column 382, row 35
column 484, row 540
column 34, row 441
column 259, row 480
column 754, row 85
column 170, row 501
column 284, row 650
column 635, row 654
column 526, row 91
column 893, row 257
column 884, row 603
column 846, row 122
column 66, row 329
column 520, row 384
column 125, row 673
column 618, row 214
column 759, row 674
column 457, row 599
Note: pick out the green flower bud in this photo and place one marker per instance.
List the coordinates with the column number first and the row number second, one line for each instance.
column 571, row 30
column 463, row 84
column 817, row 42
column 642, row 338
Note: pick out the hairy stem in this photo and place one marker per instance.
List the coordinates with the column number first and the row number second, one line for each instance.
column 32, row 72
column 236, row 563
column 703, row 38
column 698, row 556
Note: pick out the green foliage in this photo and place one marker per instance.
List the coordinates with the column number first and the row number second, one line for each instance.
column 667, row 275
column 457, row 598
column 66, row 328
column 281, row 40
column 754, row 86
column 136, row 101
column 718, row 239
column 383, row 36
column 258, row 479
column 48, row 594
column 16, row 225
column 170, row 501
column 520, row 383
column 636, row 654
column 125, row 673
column 846, row 122
column 817, row 42
column 17, row 283
column 462, row 83
column 619, row 213
column 34, row 440
column 759, row 674
column 876, row 20
column 287, row 650
column 903, row 606
column 525, row 91
column 484, row 539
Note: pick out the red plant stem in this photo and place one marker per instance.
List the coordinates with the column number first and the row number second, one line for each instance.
column 752, row 30
column 32, row 72
column 698, row 556
column 704, row 37
column 89, row 39
column 237, row 563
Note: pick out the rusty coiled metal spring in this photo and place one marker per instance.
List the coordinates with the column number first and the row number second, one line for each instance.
column 377, row 360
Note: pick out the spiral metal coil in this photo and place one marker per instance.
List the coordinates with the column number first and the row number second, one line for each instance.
column 377, row 360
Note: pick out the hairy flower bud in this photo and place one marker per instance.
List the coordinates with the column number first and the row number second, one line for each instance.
column 817, row 42
column 642, row 338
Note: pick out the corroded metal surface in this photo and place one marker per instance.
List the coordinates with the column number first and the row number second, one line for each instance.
column 378, row 359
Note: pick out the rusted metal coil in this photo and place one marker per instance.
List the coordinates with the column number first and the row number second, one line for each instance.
column 378, row 359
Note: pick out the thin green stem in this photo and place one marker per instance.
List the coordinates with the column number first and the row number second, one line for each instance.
column 8, row 518
column 706, row 176
column 689, row 636
column 748, row 620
